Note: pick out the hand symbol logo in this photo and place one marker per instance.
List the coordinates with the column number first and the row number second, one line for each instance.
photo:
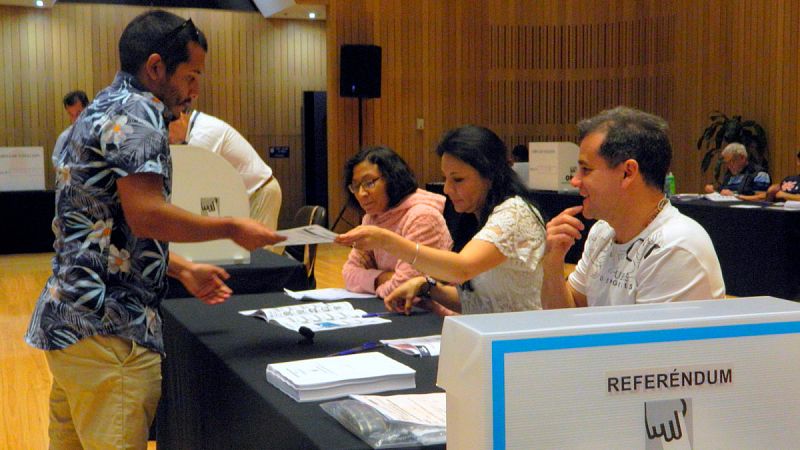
column 666, row 419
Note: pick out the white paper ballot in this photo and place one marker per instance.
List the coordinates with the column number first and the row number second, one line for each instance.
column 792, row 204
column 309, row 234
column 416, row 346
column 325, row 295
column 424, row 409
column 717, row 197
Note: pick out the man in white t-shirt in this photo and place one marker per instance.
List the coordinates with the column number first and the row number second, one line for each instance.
column 208, row 132
column 642, row 249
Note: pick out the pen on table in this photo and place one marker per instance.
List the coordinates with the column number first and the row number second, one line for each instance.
column 393, row 313
column 361, row 348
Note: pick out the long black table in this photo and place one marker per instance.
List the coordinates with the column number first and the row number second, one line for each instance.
column 215, row 391
column 27, row 218
column 756, row 247
column 266, row 272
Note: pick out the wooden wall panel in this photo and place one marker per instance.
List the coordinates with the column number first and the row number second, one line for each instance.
column 256, row 72
column 531, row 70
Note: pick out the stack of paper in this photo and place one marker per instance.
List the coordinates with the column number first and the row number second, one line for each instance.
column 338, row 376
column 316, row 316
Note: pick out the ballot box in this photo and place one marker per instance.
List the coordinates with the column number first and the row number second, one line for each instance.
column 700, row 374
column 205, row 183
column 551, row 165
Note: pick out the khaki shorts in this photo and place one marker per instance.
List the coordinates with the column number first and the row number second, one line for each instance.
column 104, row 395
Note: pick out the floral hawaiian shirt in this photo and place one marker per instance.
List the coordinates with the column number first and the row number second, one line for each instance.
column 105, row 280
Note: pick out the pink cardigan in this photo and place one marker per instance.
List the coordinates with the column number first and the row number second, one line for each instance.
column 418, row 217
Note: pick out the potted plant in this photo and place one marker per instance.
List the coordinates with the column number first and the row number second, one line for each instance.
column 724, row 130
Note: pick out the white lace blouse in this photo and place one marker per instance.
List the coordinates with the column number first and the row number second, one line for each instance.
column 517, row 230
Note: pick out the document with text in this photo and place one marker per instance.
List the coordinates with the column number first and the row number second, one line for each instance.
column 316, row 316
column 309, row 234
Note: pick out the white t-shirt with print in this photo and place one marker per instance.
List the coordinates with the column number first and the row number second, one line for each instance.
column 671, row 259
column 516, row 284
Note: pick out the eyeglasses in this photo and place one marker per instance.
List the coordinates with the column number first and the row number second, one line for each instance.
column 367, row 185
column 168, row 40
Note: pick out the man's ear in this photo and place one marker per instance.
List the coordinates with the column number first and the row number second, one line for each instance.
column 629, row 169
column 154, row 67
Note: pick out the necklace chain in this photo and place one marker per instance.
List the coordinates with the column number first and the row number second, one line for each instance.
column 659, row 207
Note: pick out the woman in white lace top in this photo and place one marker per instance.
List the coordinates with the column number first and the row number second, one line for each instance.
column 499, row 269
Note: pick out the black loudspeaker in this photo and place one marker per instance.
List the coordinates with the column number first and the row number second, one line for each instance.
column 315, row 142
column 360, row 71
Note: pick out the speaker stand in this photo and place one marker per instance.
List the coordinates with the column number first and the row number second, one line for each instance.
column 340, row 216
column 360, row 125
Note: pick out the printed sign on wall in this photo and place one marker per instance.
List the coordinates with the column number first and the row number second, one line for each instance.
column 21, row 168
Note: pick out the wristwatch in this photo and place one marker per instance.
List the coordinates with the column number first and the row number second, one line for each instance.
column 425, row 289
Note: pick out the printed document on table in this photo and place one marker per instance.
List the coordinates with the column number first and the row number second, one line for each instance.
column 315, row 316
column 325, row 295
column 424, row 409
column 339, row 376
column 416, row 346
column 309, row 234
column 717, row 197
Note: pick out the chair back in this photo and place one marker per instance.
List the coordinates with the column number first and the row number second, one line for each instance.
column 308, row 215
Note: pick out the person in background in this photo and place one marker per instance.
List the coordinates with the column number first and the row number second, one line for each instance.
column 499, row 269
column 788, row 189
column 742, row 177
column 642, row 249
column 98, row 316
column 519, row 156
column 383, row 186
column 74, row 103
column 206, row 131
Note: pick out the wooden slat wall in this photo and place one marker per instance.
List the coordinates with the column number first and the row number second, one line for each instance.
column 530, row 70
column 256, row 71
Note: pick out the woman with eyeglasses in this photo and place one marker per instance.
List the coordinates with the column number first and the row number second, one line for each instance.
column 382, row 185
column 498, row 270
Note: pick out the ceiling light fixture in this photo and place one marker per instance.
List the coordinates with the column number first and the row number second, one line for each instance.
column 312, row 15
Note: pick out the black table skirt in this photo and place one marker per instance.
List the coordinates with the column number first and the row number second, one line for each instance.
column 756, row 247
column 27, row 221
column 267, row 272
column 215, row 391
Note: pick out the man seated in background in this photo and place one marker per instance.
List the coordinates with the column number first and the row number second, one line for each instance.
column 642, row 249
column 788, row 189
column 213, row 134
column 742, row 177
column 74, row 103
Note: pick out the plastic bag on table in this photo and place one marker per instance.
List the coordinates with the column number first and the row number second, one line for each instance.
column 379, row 432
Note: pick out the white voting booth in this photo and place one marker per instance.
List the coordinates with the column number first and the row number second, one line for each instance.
column 205, row 183
column 703, row 374
column 551, row 165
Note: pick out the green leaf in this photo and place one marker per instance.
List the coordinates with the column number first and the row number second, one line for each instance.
column 707, row 160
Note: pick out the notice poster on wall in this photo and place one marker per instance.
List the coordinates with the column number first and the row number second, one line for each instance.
column 21, row 168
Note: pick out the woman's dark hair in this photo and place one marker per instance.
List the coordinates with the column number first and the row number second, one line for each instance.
column 399, row 178
column 159, row 32
column 482, row 149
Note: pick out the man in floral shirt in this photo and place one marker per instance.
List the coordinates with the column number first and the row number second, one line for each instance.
column 98, row 315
